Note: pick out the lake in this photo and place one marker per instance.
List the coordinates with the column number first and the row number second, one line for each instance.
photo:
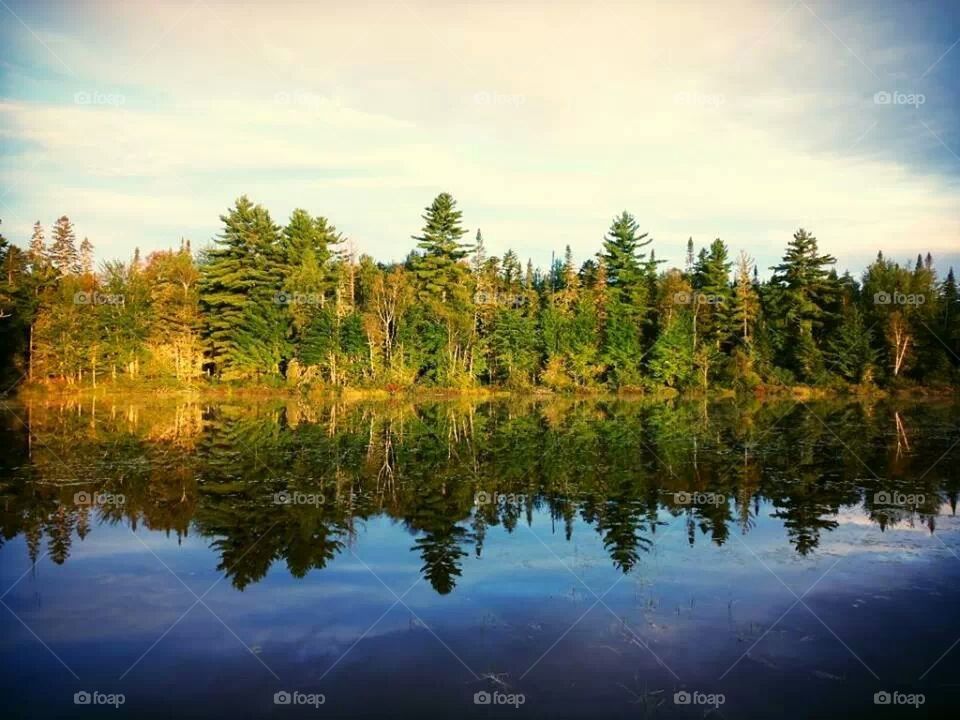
column 513, row 558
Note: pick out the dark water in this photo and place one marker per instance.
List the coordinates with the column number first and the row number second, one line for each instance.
column 568, row 559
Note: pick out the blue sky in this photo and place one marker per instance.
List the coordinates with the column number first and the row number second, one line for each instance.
column 741, row 120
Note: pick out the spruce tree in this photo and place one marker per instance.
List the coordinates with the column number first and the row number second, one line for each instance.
column 63, row 252
column 950, row 317
column 746, row 303
column 712, row 298
column 850, row 351
column 86, row 257
column 803, row 292
column 37, row 251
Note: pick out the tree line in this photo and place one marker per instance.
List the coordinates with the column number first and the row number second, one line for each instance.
column 296, row 304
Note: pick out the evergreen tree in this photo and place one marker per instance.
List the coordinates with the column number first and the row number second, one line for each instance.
column 438, row 270
column 746, row 302
column 241, row 294
column 712, row 298
column 63, row 252
column 37, row 252
column 950, row 317
column 86, row 257
column 627, row 306
column 850, row 351
column 479, row 254
column 621, row 252
column 802, row 292
column 443, row 284
column 305, row 233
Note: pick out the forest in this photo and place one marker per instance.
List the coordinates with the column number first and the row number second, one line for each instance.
column 296, row 306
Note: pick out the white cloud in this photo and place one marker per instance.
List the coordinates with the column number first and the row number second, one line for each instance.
column 741, row 122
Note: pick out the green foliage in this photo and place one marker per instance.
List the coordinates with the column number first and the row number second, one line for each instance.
column 672, row 356
column 850, row 350
column 289, row 305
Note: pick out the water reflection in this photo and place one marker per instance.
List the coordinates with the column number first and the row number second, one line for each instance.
column 269, row 482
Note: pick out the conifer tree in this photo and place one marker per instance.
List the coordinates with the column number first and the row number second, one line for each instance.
column 438, row 270
column 479, row 254
column 746, row 303
column 628, row 302
column 950, row 317
column 37, row 252
column 241, row 294
column 802, row 294
column 63, row 251
column 712, row 298
column 850, row 351
column 86, row 257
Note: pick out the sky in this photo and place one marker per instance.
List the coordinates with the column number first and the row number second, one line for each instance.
column 144, row 121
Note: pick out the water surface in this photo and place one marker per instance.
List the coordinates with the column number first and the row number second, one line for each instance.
column 585, row 558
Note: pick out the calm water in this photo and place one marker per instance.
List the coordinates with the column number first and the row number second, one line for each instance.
column 559, row 558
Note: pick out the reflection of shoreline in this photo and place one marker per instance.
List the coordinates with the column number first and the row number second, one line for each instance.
column 620, row 468
column 204, row 391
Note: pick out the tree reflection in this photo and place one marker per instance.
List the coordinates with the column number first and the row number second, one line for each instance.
column 623, row 468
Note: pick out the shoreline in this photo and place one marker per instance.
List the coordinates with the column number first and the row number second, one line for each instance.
column 254, row 391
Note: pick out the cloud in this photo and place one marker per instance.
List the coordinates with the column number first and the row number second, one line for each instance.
column 742, row 122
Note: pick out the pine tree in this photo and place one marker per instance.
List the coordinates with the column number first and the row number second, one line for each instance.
column 850, row 351
column 672, row 356
column 950, row 317
column 746, row 303
column 304, row 233
column 479, row 254
column 627, row 309
column 621, row 247
column 63, row 252
column 444, row 285
column 802, row 293
column 712, row 298
column 438, row 269
column 511, row 272
column 86, row 257
column 37, row 252
column 241, row 294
